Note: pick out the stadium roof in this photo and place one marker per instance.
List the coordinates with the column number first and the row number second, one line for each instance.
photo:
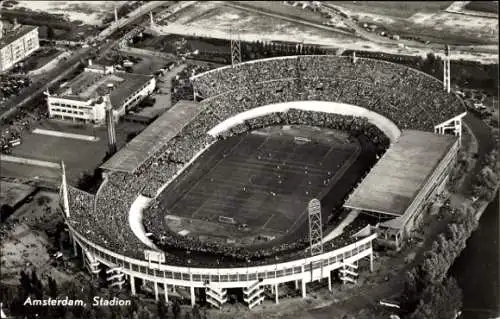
column 144, row 145
column 91, row 85
column 400, row 174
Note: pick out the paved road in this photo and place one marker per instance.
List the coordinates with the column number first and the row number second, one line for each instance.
column 37, row 89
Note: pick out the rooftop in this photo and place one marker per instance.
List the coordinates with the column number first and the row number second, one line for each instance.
column 400, row 174
column 15, row 34
column 90, row 85
column 144, row 145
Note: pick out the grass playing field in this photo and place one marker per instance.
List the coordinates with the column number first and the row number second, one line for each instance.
column 264, row 180
column 79, row 156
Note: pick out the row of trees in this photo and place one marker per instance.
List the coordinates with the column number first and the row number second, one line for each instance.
column 485, row 183
column 30, row 286
column 428, row 293
column 467, row 74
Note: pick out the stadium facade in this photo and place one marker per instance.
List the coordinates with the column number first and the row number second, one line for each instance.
column 404, row 103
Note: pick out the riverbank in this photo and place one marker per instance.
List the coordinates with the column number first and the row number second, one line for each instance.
column 476, row 269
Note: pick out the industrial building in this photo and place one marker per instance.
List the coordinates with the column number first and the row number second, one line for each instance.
column 81, row 99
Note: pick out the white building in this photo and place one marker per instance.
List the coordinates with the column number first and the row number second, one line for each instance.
column 81, row 99
column 16, row 44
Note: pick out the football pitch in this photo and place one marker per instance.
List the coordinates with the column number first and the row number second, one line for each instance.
column 263, row 179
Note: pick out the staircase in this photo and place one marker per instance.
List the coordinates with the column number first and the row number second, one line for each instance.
column 216, row 296
column 91, row 263
column 115, row 277
column 253, row 294
column 348, row 273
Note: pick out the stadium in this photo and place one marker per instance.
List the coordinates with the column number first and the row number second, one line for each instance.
column 213, row 196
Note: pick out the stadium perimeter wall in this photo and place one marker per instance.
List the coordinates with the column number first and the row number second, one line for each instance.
column 384, row 124
column 305, row 269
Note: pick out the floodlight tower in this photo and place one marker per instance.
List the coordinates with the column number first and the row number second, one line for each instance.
column 151, row 20
column 446, row 70
column 315, row 227
column 110, row 123
column 235, row 48
column 116, row 15
column 1, row 27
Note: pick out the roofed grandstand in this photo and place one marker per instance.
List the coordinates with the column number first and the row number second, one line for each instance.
column 143, row 146
column 401, row 173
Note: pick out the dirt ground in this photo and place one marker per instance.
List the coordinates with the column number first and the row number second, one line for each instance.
column 13, row 193
column 427, row 22
column 26, row 246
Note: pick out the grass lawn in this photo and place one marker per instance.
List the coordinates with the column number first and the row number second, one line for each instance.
column 80, row 156
column 396, row 9
column 484, row 6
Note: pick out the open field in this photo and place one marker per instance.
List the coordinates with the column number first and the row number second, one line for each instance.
column 427, row 22
column 79, row 156
column 397, row 9
column 89, row 12
column 262, row 179
column 27, row 246
column 216, row 16
column 430, row 23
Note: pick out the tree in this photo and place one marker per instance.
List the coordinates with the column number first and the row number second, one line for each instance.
column 176, row 309
column 196, row 314
column 52, row 287
column 439, row 301
column 162, row 310
column 50, row 33
column 25, row 284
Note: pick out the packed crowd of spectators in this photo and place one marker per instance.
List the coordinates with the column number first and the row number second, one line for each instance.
column 408, row 97
column 108, row 225
column 182, row 88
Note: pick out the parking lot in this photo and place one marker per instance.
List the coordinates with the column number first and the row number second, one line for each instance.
column 11, row 85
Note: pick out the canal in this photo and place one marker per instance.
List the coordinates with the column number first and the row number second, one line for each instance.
column 477, row 268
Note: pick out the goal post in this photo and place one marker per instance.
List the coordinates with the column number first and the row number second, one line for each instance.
column 226, row 220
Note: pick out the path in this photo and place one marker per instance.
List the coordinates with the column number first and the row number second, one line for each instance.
column 28, row 161
column 66, row 135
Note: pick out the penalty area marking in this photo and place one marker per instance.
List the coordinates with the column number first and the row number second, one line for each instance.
column 66, row 135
